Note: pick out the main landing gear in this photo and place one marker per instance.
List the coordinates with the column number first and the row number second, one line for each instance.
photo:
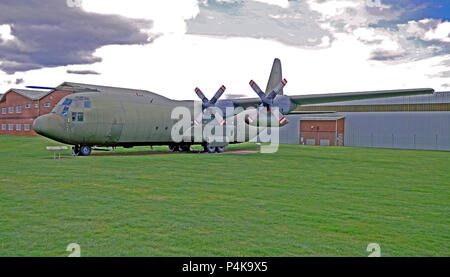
column 180, row 148
column 82, row 150
column 186, row 148
column 211, row 149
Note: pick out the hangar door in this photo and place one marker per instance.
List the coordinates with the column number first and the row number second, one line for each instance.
column 325, row 131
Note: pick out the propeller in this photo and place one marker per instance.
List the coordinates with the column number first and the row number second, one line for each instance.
column 210, row 104
column 268, row 100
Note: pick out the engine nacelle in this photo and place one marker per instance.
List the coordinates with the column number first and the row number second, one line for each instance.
column 263, row 118
column 284, row 104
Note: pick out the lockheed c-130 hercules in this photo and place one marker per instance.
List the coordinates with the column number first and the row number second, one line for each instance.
column 110, row 117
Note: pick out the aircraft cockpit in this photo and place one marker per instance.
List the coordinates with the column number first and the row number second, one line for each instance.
column 73, row 108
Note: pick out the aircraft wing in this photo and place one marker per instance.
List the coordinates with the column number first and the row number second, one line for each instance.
column 336, row 97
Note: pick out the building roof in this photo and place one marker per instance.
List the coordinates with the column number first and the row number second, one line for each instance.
column 81, row 87
column 28, row 93
column 322, row 118
column 436, row 98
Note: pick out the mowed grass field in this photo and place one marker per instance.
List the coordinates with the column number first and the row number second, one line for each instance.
column 300, row 201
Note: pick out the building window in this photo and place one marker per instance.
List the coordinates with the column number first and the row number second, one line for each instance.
column 81, row 117
column 36, row 106
column 18, row 127
column 10, row 109
column 27, row 106
column 74, row 116
column 18, row 109
column 3, row 126
column 47, row 105
column 10, row 127
column 26, row 127
column 3, row 110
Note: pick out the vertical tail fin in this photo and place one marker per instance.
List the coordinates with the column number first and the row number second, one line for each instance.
column 275, row 77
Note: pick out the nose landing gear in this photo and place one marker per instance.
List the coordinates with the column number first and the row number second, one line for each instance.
column 82, row 150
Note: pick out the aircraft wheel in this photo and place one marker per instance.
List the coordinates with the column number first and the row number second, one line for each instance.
column 173, row 148
column 76, row 150
column 185, row 148
column 209, row 149
column 85, row 150
column 220, row 149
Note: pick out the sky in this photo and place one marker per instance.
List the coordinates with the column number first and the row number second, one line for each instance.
column 172, row 46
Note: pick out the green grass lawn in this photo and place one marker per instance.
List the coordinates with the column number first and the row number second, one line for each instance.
column 300, row 201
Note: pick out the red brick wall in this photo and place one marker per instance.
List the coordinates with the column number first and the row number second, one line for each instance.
column 53, row 98
column 340, row 130
column 27, row 116
column 321, row 130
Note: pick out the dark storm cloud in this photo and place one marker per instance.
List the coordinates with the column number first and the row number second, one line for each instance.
column 83, row 72
column 49, row 33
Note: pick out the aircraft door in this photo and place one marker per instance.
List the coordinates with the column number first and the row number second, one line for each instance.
column 115, row 128
column 116, row 131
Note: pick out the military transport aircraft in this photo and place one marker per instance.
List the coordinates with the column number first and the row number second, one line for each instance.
column 107, row 116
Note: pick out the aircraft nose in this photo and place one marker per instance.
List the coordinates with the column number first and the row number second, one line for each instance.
column 47, row 125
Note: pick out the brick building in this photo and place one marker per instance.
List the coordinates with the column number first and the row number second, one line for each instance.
column 19, row 108
column 323, row 130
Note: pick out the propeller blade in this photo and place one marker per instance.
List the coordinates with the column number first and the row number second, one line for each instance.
column 219, row 119
column 282, row 120
column 199, row 119
column 256, row 88
column 201, row 95
column 277, row 89
column 217, row 95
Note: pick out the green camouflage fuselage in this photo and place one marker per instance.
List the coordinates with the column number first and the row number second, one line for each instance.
column 114, row 119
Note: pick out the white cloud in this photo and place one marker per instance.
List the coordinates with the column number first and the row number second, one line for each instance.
column 5, row 33
column 333, row 8
column 441, row 32
column 281, row 3
column 427, row 29
column 176, row 63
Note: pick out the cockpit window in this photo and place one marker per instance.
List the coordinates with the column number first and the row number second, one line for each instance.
column 81, row 117
column 82, row 102
column 77, row 116
column 67, row 102
column 65, row 110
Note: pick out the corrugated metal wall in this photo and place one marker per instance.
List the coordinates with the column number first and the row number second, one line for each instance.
column 406, row 130
column 410, row 130
column 372, row 122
